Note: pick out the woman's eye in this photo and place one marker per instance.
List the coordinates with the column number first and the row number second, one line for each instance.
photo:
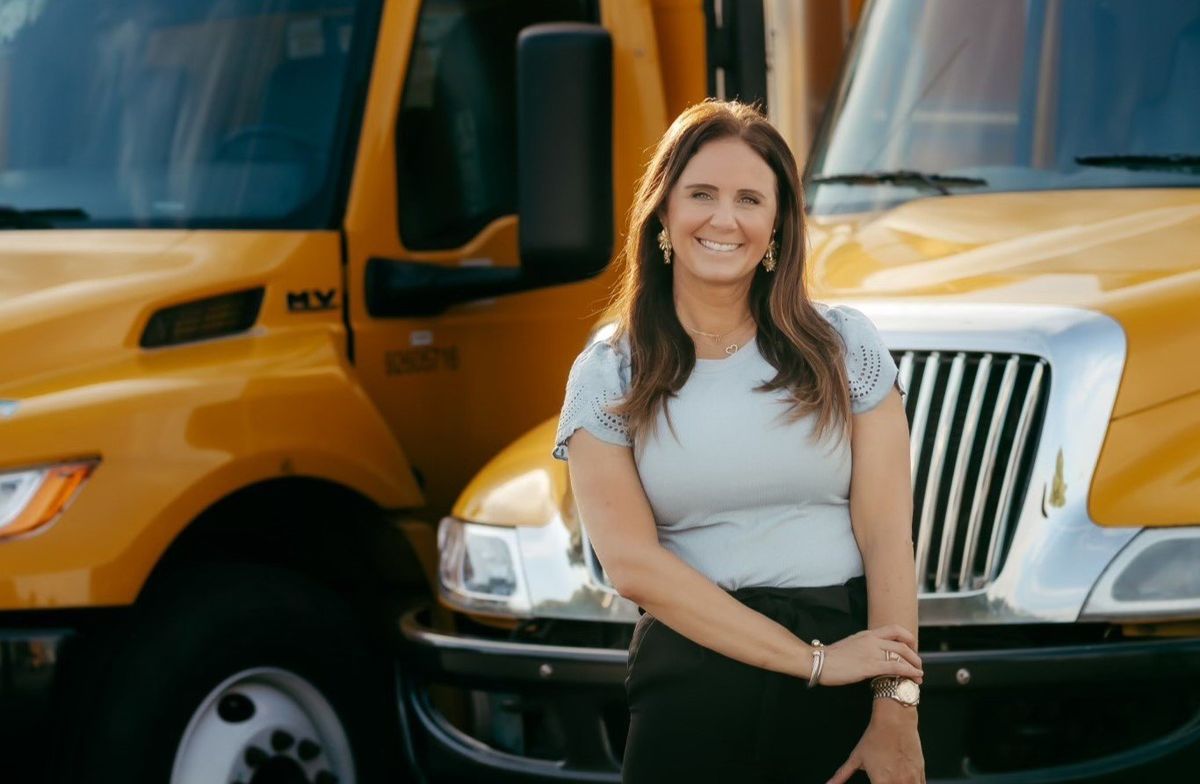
column 708, row 197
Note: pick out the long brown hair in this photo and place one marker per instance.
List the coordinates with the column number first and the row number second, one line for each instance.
column 793, row 337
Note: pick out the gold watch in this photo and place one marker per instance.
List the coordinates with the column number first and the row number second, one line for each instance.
column 903, row 690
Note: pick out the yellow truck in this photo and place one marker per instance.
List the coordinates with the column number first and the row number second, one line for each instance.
column 276, row 279
column 1010, row 189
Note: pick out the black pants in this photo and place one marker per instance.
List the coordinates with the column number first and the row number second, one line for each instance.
column 698, row 716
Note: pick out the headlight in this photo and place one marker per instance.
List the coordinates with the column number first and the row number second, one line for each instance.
column 480, row 568
column 33, row 498
column 1156, row 577
column 531, row 571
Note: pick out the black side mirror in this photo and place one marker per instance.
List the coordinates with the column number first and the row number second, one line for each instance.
column 564, row 150
column 564, row 181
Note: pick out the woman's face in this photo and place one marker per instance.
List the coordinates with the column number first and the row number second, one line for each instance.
column 721, row 211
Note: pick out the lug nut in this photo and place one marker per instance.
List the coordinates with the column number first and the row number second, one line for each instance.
column 255, row 756
column 281, row 741
column 307, row 750
column 325, row 777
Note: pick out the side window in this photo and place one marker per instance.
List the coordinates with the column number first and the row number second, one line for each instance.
column 456, row 137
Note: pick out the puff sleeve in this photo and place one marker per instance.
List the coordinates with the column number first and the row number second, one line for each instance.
column 598, row 379
column 869, row 364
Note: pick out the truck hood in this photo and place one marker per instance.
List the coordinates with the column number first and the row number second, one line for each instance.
column 1131, row 254
column 70, row 298
column 69, row 268
column 75, row 300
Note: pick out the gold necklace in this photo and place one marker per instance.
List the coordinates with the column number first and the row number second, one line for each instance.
column 732, row 348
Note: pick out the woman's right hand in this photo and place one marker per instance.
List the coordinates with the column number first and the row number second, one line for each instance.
column 861, row 656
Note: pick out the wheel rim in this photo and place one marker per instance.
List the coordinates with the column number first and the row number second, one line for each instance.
column 264, row 726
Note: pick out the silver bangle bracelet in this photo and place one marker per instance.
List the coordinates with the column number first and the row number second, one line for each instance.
column 818, row 655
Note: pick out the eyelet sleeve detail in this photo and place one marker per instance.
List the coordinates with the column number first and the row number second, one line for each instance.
column 869, row 364
column 598, row 379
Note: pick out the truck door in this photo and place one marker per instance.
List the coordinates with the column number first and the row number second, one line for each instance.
column 435, row 188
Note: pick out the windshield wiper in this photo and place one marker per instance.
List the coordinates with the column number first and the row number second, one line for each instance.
column 1173, row 162
column 935, row 182
column 15, row 218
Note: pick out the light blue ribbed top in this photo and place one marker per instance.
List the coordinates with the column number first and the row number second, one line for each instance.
column 742, row 495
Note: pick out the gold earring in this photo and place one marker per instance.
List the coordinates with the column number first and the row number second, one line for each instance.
column 768, row 261
column 664, row 244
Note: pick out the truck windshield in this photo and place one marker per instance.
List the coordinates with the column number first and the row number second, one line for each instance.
column 192, row 113
column 969, row 96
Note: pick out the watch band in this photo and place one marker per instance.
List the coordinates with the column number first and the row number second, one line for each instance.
column 903, row 690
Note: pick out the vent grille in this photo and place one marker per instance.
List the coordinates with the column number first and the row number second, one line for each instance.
column 205, row 319
column 974, row 419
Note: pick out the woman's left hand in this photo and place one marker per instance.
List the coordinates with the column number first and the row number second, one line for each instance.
column 890, row 749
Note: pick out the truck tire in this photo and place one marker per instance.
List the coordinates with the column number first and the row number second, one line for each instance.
column 241, row 673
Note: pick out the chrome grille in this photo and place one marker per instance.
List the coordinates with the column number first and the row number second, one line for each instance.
column 974, row 419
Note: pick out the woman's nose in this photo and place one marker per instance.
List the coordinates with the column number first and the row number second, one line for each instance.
column 722, row 216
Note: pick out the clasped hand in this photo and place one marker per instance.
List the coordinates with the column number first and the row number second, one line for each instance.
column 861, row 656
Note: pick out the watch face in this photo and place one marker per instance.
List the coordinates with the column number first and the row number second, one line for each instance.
column 908, row 691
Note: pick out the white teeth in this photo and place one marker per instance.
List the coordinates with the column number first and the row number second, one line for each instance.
column 721, row 247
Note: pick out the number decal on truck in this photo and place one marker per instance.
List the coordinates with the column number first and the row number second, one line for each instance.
column 424, row 359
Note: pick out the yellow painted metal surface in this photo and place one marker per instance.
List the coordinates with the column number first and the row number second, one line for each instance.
column 1149, row 466
column 638, row 90
column 680, row 36
column 179, row 428
column 518, row 487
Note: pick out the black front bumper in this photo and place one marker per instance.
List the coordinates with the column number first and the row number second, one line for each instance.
column 577, row 684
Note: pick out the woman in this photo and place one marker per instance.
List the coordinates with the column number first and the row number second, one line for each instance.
column 709, row 443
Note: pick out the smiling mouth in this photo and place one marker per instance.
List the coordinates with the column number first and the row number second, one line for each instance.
column 719, row 247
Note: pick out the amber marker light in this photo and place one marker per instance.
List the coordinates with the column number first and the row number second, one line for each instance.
column 32, row 498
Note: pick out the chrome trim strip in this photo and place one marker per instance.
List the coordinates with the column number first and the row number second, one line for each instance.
column 961, row 467
column 987, row 469
column 414, row 632
column 906, row 369
column 921, row 414
column 1004, row 503
column 933, row 479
